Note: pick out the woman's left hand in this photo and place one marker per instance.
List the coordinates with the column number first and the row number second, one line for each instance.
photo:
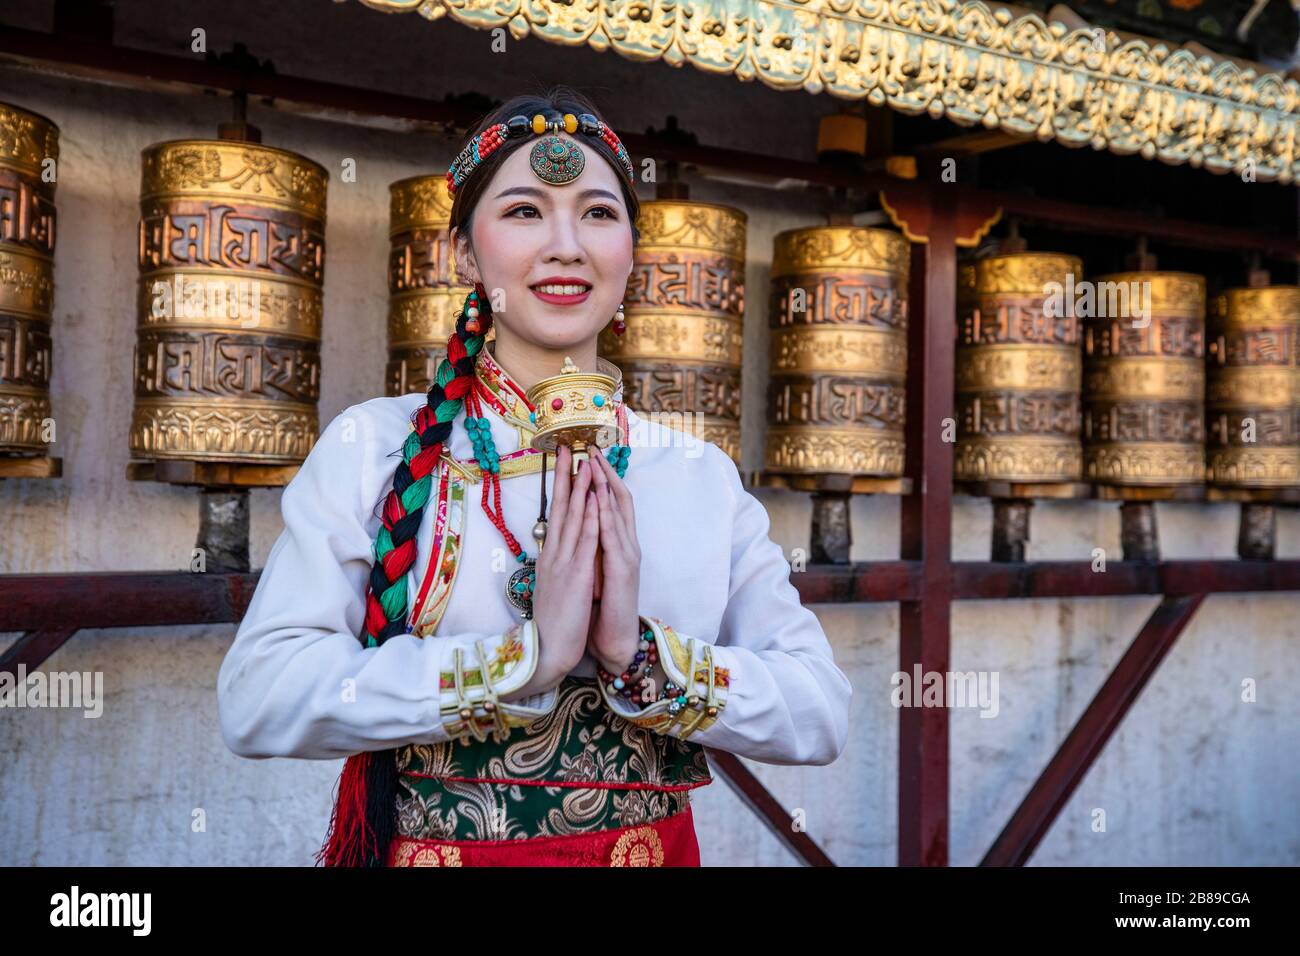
column 616, row 630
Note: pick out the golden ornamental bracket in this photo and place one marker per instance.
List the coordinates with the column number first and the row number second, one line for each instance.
column 963, row 61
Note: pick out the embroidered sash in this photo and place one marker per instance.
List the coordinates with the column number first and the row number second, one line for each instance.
column 579, row 769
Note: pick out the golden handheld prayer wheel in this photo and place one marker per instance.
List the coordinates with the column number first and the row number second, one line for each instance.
column 424, row 292
column 232, row 256
column 1019, row 369
column 29, row 152
column 681, row 351
column 838, row 361
column 1253, row 388
column 574, row 408
column 1144, row 379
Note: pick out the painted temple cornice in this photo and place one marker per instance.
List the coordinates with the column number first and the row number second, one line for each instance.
column 963, row 61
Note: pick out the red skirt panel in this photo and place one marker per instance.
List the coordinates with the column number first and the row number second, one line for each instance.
column 668, row 842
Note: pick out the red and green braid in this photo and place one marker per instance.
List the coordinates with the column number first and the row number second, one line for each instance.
column 364, row 820
column 395, row 545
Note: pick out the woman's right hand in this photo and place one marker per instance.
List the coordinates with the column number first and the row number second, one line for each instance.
column 566, row 571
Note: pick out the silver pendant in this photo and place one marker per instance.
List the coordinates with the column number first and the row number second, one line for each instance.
column 519, row 587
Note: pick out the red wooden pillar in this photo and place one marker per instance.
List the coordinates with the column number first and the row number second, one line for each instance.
column 937, row 222
column 926, row 536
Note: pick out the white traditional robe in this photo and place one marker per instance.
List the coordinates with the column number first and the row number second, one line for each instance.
column 297, row 681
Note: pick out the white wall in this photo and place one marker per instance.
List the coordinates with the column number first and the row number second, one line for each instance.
column 1193, row 776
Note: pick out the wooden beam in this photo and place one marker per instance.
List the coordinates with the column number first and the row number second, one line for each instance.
column 981, row 580
column 99, row 599
column 862, row 582
column 117, row 599
column 766, row 807
column 33, row 648
column 1049, row 794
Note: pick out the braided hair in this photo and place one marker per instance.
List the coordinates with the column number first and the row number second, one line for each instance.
column 364, row 820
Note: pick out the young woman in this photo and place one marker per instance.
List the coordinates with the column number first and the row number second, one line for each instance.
column 491, row 711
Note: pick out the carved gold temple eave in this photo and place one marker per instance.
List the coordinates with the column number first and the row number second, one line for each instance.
column 962, row 61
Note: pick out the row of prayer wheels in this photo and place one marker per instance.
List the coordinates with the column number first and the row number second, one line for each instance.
column 1049, row 387
column 1044, row 394
column 1118, row 380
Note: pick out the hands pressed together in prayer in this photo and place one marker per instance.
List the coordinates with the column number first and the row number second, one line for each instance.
column 594, row 505
column 616, row 627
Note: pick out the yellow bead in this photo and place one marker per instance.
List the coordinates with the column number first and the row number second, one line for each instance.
column 570, row 123
column 539, row 123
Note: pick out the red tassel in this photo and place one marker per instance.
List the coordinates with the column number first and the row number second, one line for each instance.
column 350, row 841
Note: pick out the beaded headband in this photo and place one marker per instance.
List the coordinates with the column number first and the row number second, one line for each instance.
column 554, row 160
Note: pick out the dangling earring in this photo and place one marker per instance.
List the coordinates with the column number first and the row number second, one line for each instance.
column 620, row 326
column 473, row 325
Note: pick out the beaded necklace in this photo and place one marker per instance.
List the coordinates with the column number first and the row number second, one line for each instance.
column 520, row 585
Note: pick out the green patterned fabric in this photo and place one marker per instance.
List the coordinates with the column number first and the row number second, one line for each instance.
column 604, row 773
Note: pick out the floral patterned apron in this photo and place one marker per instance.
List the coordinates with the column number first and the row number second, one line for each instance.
column 578, row 787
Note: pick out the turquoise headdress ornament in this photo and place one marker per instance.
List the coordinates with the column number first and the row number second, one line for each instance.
column 553, row 159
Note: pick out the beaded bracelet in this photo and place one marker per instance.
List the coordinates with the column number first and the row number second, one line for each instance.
column 632, row 680
column 670, row 691
column 643, row 662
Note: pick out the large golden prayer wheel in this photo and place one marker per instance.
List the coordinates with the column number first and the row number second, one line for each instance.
column 838, row 360
column 232, row 255
column 1144, row 380
column 681, row 352
column 1019, row 369
column 29, row 152
column 1253, row 388
column 424, row 292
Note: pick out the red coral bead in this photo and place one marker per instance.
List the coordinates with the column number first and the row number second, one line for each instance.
column 557, row 403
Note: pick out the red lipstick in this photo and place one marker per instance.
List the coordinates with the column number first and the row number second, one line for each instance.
column 562, row 298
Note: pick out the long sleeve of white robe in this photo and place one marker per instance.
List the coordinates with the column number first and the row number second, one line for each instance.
column 297, row 681
column 787, row 703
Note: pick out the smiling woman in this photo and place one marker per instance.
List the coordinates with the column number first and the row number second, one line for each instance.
column 556, row 257
column 589, row 693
